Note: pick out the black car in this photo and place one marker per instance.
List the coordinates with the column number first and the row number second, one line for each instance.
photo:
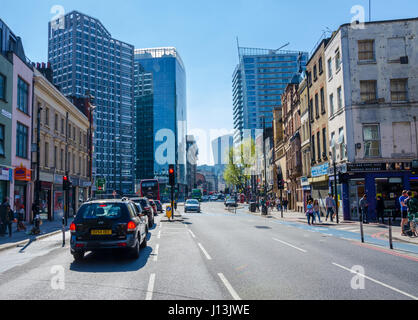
column 146, row 206
column 159, row 206
column 108, row 224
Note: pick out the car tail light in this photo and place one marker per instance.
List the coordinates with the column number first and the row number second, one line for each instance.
column 79, row 245
column 73, row 227
column 131, row 226
column 122, row 244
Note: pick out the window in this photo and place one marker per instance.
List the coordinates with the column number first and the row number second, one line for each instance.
column 46, row 154
column 320, row 67
column 371, row 138
column 22, row 96
column 396, row 48
column 324, row 142
column 21, row 141
column 62, row 126
column 315, row 73
column 398, row 90
column 322, row 101
column 340, row 98
column 337, row 60
column 55, row 156
column 329, row 68
column 368, row 90
column 331, row 104
column 2, row 87
column 2, row 138
column 333, row 144
column 318, row 143
column 56, row 122
column 341, row 143
column 313, row 147
column 62, row 159
column 366, row 50
column 47, row 116
column 317, row 105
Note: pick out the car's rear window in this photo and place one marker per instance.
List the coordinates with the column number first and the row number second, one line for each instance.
column 192, row 202
column 102, row 210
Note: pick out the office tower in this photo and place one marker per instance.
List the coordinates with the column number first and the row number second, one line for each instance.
column 87, row 60
column 258, row 83
column 160, row 93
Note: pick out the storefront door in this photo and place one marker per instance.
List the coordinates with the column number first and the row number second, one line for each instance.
column 356, row 190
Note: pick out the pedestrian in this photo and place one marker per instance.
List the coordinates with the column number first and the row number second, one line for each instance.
column 20, row 218
column 3, row 215
column 404, row 210
column 364, row 208
column 380, row 209
column 330, row 204
column 285, row 202
column 8, row 221
column 413, row 212
column 317, row 211
column 310, row 212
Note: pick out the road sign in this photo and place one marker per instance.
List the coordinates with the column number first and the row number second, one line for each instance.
column 101, row 185
column 168, row 212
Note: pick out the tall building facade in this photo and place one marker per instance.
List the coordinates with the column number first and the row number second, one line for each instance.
column 160, row 94
column 372, row 91
column 258, row 84
column 86, row 60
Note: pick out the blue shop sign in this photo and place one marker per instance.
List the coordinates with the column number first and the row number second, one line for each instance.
column 319, row 171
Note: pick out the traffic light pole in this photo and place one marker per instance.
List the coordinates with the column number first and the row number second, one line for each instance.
column 336, row 191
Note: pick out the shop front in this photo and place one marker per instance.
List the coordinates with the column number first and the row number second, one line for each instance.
column 46, row 196
column 320, row 184
column 6, row 175
column 58, row 198
column 375, row 179
column 21, row 191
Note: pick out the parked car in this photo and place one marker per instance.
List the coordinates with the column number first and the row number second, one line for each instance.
column 146, row 206
column 231, row 202
column 159, row 206
column 213, row 198
column 192, row 205
column 154, row 206
column 108, row 224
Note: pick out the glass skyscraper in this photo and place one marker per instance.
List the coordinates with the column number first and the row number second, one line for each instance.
column 85, row 58
column 160, row 95
column 258, row 83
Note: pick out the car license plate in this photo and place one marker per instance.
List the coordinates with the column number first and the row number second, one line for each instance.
column 101, row 232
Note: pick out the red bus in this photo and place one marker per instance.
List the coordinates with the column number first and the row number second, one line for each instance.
column 150, row 188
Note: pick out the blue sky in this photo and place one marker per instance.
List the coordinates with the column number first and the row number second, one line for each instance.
column 204, row 32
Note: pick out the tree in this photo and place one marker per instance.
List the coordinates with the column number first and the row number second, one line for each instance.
column 240, row 161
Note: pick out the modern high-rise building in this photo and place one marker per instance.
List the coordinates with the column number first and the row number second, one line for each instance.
column 220, row 149
column 258, row 83
column 160, row 98
column 86, row 60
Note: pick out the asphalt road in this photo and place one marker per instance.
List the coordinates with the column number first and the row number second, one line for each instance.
column 213, row 255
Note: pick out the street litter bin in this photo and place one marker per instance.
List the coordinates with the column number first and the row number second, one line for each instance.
column 253, row 206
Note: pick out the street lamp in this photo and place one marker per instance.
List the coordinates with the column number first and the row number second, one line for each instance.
column 91, row 109
column 334, row 156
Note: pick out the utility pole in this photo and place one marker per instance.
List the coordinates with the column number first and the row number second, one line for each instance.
column 67, row 192
column 335, row 189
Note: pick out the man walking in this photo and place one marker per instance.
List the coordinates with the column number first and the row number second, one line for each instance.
column 330, row 204
column 364, row 208
column 404, row 210
column 413, row 212
column 4, row 213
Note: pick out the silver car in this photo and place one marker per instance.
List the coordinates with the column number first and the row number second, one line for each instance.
column 192, row 205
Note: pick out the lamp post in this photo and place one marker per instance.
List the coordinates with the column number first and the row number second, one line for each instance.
column 91, row 109
column 335, row 183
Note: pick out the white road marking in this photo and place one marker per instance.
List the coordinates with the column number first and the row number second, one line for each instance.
column 157, row 247
column 348, row 229
column 376, row 281
column 150, row 287
column 191, row 232
column 204, row 252
column 159, row 234
column 231, row 290
column 288, row 244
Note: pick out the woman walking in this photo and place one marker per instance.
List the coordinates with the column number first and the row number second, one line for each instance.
column 310, row 212
column 317, row 212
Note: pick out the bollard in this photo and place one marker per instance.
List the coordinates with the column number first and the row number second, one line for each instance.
column 390, row 230
column 361, row 226
column 63, row 231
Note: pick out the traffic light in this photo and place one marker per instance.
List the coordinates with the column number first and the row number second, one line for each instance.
column 280, row 182
column 66, row 183
column 172, row 179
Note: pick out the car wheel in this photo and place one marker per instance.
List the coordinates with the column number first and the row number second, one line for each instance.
column 144, row 242
column 78, row 256
column 135, row 251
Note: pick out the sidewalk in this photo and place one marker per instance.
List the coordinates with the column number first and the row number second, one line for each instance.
column 294, row 216
column 48, row 228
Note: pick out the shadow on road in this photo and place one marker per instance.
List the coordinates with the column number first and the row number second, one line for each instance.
column 111, row 261
column 262, row 227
